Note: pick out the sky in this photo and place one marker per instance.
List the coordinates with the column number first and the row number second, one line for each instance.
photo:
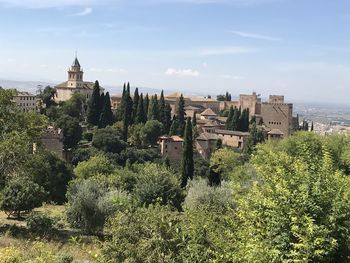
column 298, row 48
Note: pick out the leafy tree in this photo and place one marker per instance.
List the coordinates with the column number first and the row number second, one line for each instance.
column 138, row 235
column 98, row 164
column 297, row 210
column 72, row 131
column 51, row 173
column 47, row 96
column 108, row 140
column 256, row 135
column 106, row 117
column 74, row 107
column 158, row 184
column 82, row 154
column 82, row 209
column 151, row 132
column 224, row 161
column 21, row 194
column 187, row 164
column 94, row 106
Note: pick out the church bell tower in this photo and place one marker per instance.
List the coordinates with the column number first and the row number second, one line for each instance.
column 75, row 75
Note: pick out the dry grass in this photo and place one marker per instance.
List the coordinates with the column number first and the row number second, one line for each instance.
column 13, row 234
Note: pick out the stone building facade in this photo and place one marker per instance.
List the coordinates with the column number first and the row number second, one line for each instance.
column 74, row 84
column 26, row 101
column 171, row 147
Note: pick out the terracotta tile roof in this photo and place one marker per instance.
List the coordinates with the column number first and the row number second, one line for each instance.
column 208, row 112
column 276, row 132
column 228, row 132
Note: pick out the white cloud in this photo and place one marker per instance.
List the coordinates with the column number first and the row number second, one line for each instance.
column 85, row 12
column 182, row 72
column 255, row 36
column 226, row 51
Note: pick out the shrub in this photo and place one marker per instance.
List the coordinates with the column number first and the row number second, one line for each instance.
column 39, row 223
column 98, row 164
column 21, row 194
column 158, row 184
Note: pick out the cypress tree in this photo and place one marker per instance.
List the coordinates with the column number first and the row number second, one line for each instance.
column 194, row 119
column 235, row 119
column 255, row 136
column 229, row 119
column 312, row 126
column 94, row 110
column 161, row 106
column 106, row 115
column 135, row 104
column 127, row 112
column 121, row 106
column 140, row 114
column 244, row 121
column 174, row 127
column 153, row 111
column 167, row 118
column 181, row 116
column 146, row 105
column 187, row 155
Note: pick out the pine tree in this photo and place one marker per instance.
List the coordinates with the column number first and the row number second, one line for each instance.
column 107, row 114
column 146, row 105
column 255, row 136
column 229, row 119
column 187, row 155
column 140, row 114
column 94, row 110
column 312, row 126
column 167, row 118
column 135, row 105
column 181, row 116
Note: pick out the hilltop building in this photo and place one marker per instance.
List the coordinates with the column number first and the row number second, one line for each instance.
column 75, row 84
column 26, row 101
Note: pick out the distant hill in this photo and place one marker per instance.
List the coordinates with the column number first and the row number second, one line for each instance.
column 30, row 86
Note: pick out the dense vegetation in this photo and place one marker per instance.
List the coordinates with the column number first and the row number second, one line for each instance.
column 282, row 201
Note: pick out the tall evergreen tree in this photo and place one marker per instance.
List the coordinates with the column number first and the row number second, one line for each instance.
column 187, row 155
column 121, row 106
column 181, row 116
column 312, row 126
column 256, row 136
column 194, row 119
column 127, row 112
column 146, row 105
column 140, row 113
column 235, row 119
column 229, row 119
column 135, row 104
column 174, row 126
column 94, row 109
column 107, row 114
column 102, row 101
column 167, row 118
column 153, row 110
column 161, row 106
column 244, row 121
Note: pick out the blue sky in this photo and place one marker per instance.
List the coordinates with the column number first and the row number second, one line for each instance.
column 299, row 48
